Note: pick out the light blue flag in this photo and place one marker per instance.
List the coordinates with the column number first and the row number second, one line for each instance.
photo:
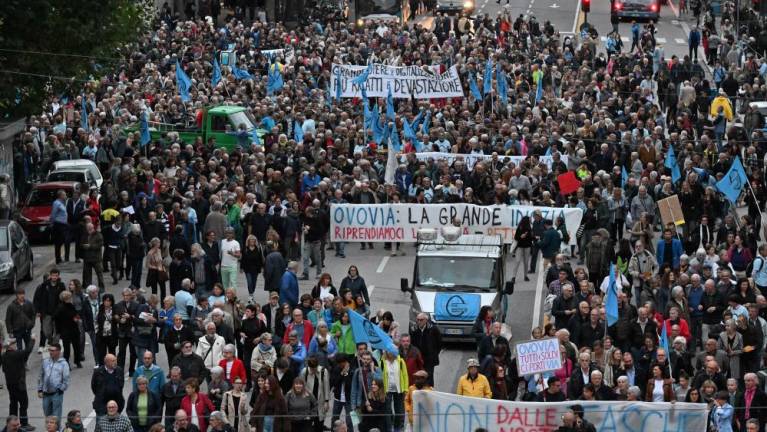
column 473, row 88
column 732, row 184
column 254, row 137
column 84, row 115
column 298, row 132
column 611, row 303
column 539, row 90
column 503, row 85
column 390, row 113
column 183, row 83
column 216, row 78
column 274, row 81
column 394, row 142
column 145, row 136
column 548, row 151
column 362, row 78
column 664, row 338
column 703, row 174
column 365, row 331
column 375, row 124
column 426, row 123
column 624, row 177
column 268, row 123
column 487, row 80
column 367, row 114
column 338, row 84
column 241, row 74
column 384, row 136
column 417, row 120
column 672, row 164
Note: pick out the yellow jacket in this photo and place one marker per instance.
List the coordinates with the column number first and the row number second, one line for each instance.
column 409, row 400
column 479, row 387
column 724, row 102
column 403, row 378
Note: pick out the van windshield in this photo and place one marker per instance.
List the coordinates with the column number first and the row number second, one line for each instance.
column 448, row 272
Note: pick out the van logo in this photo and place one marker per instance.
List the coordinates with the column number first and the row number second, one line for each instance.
column 456, row 306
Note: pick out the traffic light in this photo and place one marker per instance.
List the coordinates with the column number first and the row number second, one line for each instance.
column 586, row 5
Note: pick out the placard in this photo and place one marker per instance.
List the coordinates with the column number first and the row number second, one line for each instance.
column 538, row 356
column 671, row 211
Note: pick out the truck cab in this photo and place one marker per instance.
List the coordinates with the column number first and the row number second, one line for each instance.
column 454, row 276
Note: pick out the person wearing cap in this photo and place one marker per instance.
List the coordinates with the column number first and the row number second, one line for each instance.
column 473, row 383
column 420, row 379
column 722, row 415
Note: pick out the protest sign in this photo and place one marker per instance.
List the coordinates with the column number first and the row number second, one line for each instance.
column 401, row 222
column 274, row 54
column 471, row 159
column 537, row 356
column 568, row 183
column 405, row 81
column 435, row 411
column 671, row 211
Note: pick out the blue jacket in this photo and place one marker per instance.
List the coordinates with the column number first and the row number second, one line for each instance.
column 694, row 297
column 694, row 38
column 289, row 288
column 154, row 374
column 722, row 417
column 550, row 243
column 403, row 179
column 358, row 392
column 676, row 252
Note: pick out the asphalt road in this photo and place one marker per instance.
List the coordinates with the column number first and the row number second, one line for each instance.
column 381, row 272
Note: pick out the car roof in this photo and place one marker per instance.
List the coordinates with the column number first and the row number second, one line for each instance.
column 226, row 109
column 56, row 185
column 69, row 163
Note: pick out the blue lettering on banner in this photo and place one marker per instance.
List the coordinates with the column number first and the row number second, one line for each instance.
column 456, row 306
column 376, row 216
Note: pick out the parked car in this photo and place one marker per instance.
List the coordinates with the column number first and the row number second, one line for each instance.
column 15, row 255
column 77, row 170
column 35, row 212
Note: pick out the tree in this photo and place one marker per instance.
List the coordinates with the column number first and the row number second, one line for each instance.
column 48, row 47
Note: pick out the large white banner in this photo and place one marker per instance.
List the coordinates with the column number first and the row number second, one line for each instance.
column 405, row 81
column 444, row 412
column 400, row 222
column 472, row 159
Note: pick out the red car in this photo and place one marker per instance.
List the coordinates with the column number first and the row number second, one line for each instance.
column 35, row 212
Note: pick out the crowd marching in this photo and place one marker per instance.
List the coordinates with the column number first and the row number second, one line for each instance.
column 175, row 224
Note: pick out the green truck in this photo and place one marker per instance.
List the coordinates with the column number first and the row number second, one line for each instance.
column 221, row 123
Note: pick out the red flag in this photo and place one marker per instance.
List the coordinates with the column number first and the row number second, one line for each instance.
column 568, row 183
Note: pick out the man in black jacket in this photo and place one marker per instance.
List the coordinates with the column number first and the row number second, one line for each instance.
column 172, row 392
column 191, row 365
column 564, row 307
column 580, row 376
column 14, row 366
column 427, row 338
column 107, row 384
column 126, row 310
column 553, row 393
column 46, row 301
column 20, row 319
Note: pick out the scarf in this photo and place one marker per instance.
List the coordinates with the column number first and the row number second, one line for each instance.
column 264, row 348
column 74, row 427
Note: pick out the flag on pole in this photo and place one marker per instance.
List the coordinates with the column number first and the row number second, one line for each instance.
column 241, row 74
column 362, row 78
column 183, row 83
column 672, row 164
column 417, row 120
column 624, row 177
column 216, row 78
column 84, row 114
column 298, row 132
column 539, row 90
column 145, row 136
column 733, row 183
column 611, row 303
column 426, row 122
column 366, row 332
column 548, row 151
column 502, row 84
column 395, row 145
column 338, row 84
column 254, row 137
column 487, row 80
column 274, row 81
column 664, row 338
column 390, row 113
column 474, row 88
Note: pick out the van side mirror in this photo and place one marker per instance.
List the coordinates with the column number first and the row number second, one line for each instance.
column 403, row 285
column 508, row 288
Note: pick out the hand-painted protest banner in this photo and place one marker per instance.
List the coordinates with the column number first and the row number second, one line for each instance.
column 435, row 411
column 405, row 81
column 401, row 222
column 671, row 211
column 471, row 159
column 538, row 356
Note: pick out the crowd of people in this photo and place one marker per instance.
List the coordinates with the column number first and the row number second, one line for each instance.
column 201, row 357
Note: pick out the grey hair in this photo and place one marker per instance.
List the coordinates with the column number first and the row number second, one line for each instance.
column 216, row 370
column 634, row 390
column 218, row 415
column 677, row 290
column 92, row 288
column 229, row 348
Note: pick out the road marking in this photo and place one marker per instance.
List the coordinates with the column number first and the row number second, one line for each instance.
column 575, row 19
column 538, row 292
column 555, row 6
column 660, row 40
column 675, row 22
column 680, row 41
column 625, row 39
column 87, row 421
column 370, row 290
column 381, row 266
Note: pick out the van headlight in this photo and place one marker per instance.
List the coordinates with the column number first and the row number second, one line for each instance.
column 468, row 4
column 6, row 267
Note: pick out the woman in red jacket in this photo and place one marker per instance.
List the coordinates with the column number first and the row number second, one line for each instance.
column 675, row 319
column 232, row 366
column 197, row 406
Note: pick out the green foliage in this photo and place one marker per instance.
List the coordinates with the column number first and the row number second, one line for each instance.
column 54, row 45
